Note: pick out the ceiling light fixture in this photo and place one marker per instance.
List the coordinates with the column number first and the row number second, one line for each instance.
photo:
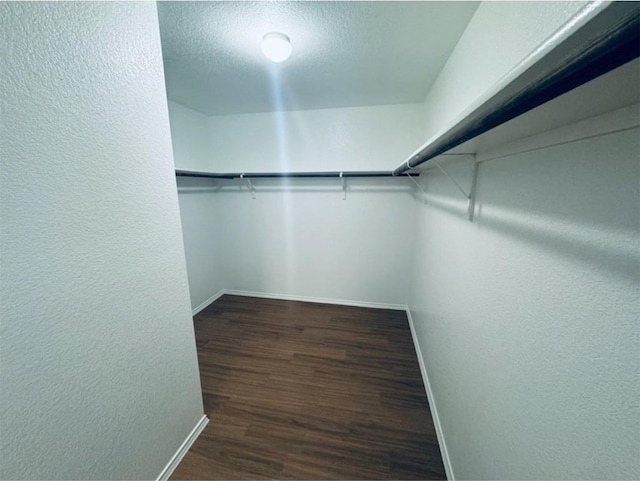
column 276, row 46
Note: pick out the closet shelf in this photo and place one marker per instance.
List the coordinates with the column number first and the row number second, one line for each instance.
column 288, row 175
column 600, row 38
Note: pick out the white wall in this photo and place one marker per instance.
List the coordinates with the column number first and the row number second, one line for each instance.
column 357, row 138
column 527, row 318
column 201, row 229
column 304, row 240
column 98, row 363
column 299, row 239
column 190, row 136
column 198, row 212
column 498, row 37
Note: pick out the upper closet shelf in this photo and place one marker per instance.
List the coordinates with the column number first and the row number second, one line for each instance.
column 287, row 175
column 599, row 38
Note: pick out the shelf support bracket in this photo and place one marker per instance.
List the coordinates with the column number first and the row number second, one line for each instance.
column 344, row 186
column 464, row 192
column 471, row 203
column 471, row 196
column 250, row 185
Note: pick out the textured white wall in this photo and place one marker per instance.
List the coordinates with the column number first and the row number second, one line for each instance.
column 299, row 240
column 201, row 228
column 358, row 138
column 498, row 37
column 98, row 362
column 190, row 136
column 198, row 213
column 304, row 240
column 527, row 318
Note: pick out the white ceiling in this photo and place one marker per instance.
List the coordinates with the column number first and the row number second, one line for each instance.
column 345, row 54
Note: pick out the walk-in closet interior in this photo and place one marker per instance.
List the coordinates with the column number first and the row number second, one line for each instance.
column 320, row 240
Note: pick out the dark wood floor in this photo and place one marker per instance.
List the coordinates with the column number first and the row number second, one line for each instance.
column 298, row 390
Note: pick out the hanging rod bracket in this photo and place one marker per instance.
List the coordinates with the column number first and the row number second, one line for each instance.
column 344, row 186
column 471, row 196
column 250, row 185
column 471, row 202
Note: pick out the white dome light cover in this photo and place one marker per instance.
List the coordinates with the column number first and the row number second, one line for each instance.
column 276, row 46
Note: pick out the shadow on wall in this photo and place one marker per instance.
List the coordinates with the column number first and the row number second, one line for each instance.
column 192, row 185
column 615, row 251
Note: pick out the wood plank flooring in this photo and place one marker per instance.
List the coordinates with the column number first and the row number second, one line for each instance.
column 299, row 390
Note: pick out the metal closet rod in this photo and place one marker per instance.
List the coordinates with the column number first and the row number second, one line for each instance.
column 288, row 175
column 601, row 37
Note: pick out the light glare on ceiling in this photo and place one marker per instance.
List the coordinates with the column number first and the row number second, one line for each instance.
column 276, row 47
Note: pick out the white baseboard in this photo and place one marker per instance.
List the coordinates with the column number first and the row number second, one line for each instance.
column 183, row 449
column 206, row 303
column 320, row 300
column 432, row 403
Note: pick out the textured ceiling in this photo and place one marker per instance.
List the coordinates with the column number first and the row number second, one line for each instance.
column 344, row 53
